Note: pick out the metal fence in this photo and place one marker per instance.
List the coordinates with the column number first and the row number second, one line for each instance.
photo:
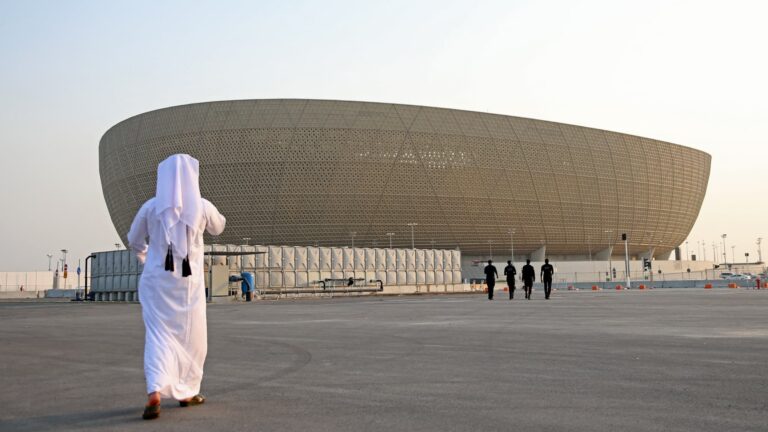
column 115, row 274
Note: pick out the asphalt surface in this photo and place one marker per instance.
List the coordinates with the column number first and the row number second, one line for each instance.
column 661, row 360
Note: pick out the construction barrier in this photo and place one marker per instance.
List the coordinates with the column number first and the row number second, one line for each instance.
column 642, row 287
column 708, row 286
column 619, row 287
column 732, row 285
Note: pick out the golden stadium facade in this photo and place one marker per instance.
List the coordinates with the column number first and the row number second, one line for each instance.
column 332, row 173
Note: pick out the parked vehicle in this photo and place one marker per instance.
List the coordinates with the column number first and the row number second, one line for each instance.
column 726, row 275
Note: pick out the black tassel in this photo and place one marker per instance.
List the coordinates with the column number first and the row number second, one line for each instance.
column 186, row 270
column 169, row 260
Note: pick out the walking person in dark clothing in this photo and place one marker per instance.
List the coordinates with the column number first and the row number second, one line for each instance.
column 529, row 275
column 546, row 276
column 490, row 278
column 510, row 272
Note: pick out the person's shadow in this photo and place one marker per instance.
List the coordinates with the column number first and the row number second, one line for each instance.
column 94, row 419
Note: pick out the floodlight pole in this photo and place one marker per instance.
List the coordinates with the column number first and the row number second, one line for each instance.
column 725, row 251
column 512, row 244
column 610, row 256
column 413, row 244
column 626, row 259
column 650, row 261
column 246, row 240
column 390, row 234
column 698, row 246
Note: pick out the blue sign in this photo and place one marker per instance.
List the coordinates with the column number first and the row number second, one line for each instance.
column 78, row 270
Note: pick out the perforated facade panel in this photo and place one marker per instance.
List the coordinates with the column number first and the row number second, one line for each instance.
column 304, row 172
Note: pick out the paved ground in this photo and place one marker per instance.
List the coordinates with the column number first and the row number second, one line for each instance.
column 662, row 360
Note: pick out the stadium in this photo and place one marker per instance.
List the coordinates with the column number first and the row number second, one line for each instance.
column 343, row 173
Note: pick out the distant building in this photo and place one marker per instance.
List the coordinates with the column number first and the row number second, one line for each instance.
column 333, row 173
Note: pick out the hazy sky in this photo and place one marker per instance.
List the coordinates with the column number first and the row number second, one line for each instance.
column 689, row 72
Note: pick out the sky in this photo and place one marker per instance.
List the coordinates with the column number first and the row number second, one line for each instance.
column 689, row 72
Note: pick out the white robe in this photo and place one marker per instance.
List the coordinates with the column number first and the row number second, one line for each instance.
column 173, row 307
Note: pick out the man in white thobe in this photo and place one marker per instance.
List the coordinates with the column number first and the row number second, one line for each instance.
column 167, row 237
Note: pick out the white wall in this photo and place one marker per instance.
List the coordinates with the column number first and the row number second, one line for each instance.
column 31, row 281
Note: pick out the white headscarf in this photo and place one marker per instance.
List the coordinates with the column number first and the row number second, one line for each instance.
column 177, row 201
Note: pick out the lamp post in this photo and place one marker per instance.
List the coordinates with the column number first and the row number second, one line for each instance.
column 649, row 239
column 49, row 261
column 352, row 234
column 626, row 258
column 687, row 255
column 117, row 246
column 714, row 252
column 610, row 263
column 725, row 251
column 704, row 250
column 242, row 257
column 91, row 256
column 733, row 254
column 490, row 249
column 746, row 257
column 413, row 244
column 759, row 251
column 512, row 244
column 390, row 234
column 64, row 266
column 433, row 243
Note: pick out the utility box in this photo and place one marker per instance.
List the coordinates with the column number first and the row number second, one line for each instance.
column 217, row 281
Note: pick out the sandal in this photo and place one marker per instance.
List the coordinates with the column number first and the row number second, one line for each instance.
column 194, row 400
column 151, row 412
